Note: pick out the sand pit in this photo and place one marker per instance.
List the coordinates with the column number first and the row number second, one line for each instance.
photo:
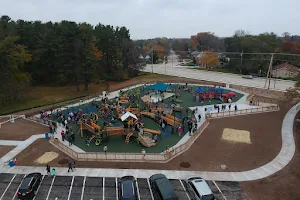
column 47, row 157
column 238, row 136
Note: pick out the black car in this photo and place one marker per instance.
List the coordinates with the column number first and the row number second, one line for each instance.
column 162, row 188
column 29, row 186
column 127, row 188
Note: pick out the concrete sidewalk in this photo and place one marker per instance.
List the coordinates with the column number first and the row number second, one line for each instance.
column 280, row 161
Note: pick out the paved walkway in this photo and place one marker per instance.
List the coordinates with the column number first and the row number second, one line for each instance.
column 281, row 160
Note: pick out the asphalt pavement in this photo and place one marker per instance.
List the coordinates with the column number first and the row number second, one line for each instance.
column 104, row 188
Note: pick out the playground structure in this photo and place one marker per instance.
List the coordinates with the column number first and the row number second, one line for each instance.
column 202, row 93
column 171, row 120
column 124, row 99
column 123, row 116
column 134, row 111
column 146, row 140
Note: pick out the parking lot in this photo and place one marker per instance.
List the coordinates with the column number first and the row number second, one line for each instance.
column 92, row 188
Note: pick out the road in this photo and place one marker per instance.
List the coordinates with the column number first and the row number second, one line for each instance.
column 92, row 188
column 172, row 69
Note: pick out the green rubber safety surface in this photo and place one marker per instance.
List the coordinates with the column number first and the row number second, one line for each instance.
column 167, row 138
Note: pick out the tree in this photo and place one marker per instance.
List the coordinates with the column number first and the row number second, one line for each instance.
column 209, row 58
column 13, row 80
column 160, row 51
column 206, row 41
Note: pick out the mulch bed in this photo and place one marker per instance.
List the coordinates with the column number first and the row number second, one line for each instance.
column 208, row 153
column 283, row 185
column 5, row 149
column 21, row 130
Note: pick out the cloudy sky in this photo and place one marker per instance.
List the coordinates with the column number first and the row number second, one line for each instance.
column 166, row 18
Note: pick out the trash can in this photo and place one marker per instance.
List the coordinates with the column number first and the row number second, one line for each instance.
column 11, row 163
column 47, row 136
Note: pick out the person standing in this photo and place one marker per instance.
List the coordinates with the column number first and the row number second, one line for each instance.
column 163, row 126
column 144, row 153
column 229, row 107
column 48, row 169
column 66, row 122
column 235, row 107
column 62, row 135
column 105, row 148
column 179, row 130
column 70, row 166
column 53, row 172
column 199, row 117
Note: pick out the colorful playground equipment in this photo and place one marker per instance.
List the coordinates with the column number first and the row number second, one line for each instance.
column 148, row 114
column 117, row 130
column 171, row 120
column 202, row 93
column 104, row 112
column 146, row 140
column 147, row 130
column 134, row 111
column 128, row 137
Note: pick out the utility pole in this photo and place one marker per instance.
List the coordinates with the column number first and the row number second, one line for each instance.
column 152, row 60
column 166, row 58
column 172, row 58
column 241, row 61
column 269, row 71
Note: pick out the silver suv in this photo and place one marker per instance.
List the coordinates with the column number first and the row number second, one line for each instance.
column 198, row 189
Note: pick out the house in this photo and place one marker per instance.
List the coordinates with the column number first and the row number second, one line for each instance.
column 285, row 70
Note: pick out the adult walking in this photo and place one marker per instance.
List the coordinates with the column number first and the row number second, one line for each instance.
column 70, row 166
column 62, row 135
column 105, row 148
column 48, row 169
column 144, row 153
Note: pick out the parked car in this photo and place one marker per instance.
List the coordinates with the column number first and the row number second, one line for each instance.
column 247, row 76
column 29, row 186
column 127, row 188
column 162, row 188
column 198, row 189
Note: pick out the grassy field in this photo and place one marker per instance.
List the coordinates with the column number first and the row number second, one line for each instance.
column 41, row 95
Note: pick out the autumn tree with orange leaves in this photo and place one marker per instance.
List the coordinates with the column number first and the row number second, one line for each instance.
column 160, row 51
column 209, row 58
column 205, row 41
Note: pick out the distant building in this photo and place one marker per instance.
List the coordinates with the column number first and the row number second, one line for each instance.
column 285, row 71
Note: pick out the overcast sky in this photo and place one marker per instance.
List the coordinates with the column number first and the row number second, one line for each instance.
column 166, row 18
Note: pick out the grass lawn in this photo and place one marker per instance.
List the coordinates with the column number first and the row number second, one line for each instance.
column 41, row 95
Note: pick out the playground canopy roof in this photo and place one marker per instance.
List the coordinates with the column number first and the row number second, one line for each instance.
column 126, row 115
column 160, row 87
column 199, row 90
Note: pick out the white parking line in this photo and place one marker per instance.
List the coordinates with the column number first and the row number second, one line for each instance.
column 185, row 190
column 50, row 188
column 137, row 190
column 219, row 190
column 150, row 189
column 38, row 187
column 8, row 186
column 83, row 186
column 17, row 190
column 117, row 195
column 70, row 190
column 103, row 188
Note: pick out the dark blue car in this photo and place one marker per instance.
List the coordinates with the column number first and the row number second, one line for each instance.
column 127, row 188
